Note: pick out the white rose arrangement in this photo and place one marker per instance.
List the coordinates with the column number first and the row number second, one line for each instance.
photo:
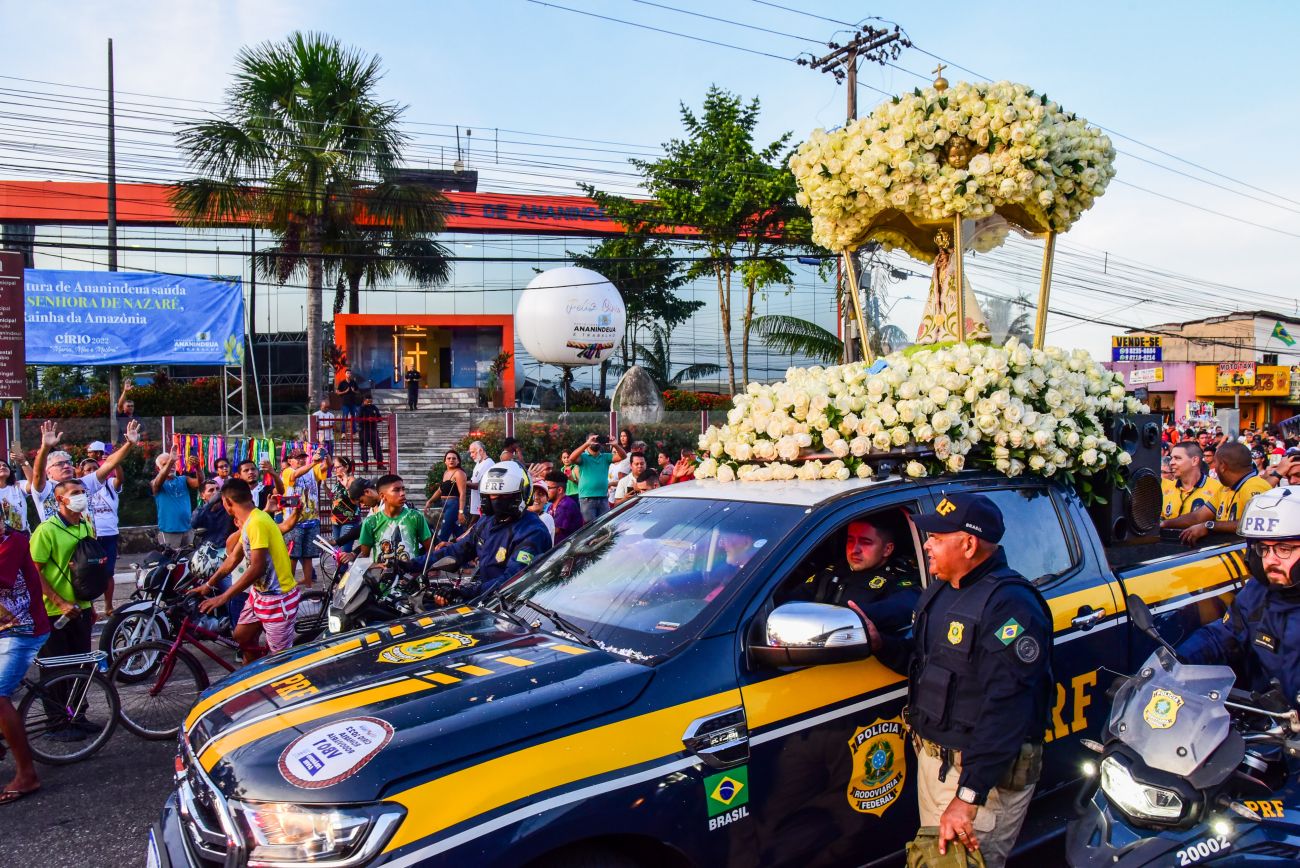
column 1011, row 408
column 972, row 149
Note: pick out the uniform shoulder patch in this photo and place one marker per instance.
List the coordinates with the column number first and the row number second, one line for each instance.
column 524, row 557
column 1008, row 632
column 876, row 583
column 1027, row 649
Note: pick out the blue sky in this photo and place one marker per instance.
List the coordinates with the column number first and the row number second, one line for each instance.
column 1194, row 79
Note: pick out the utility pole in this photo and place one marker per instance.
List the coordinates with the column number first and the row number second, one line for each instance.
column 877, row 45
column 114, row 371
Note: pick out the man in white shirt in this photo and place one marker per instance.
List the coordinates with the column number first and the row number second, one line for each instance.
column 59, row 467
column 482, row 464
column 626, row 488
column 326, row 419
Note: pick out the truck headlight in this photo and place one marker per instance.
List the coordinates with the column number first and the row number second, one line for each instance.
column 1135, row 798
column 325, row 835
column 336, row 624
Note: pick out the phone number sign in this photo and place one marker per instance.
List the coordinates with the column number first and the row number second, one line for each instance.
column 1135, row 348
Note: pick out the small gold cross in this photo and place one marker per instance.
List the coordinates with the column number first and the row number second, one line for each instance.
column 938, row 70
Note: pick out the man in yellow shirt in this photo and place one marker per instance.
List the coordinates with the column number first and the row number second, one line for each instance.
column 1239, row 483
column 273, row 596
column 1191, row 488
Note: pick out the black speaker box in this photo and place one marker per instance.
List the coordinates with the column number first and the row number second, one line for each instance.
column 1133, row 510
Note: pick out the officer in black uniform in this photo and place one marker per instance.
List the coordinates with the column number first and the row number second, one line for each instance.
column 979, row 680
column 867, row 577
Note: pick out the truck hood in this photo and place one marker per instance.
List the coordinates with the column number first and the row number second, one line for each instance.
column 350, row 718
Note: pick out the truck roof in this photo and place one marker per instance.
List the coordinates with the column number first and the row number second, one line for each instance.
column 796, row 492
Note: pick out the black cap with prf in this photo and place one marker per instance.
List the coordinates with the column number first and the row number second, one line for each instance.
column 974, row 514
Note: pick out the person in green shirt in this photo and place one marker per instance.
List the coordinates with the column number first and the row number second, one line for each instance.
column 395, row 531
column 593, row 463
column 53, row 543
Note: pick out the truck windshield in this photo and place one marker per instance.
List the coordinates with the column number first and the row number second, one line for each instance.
column 642, row 583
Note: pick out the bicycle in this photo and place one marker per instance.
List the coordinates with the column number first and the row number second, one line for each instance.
column 70, row 711
column 159, row 682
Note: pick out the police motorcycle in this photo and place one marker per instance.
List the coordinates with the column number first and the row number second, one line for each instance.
column 367, row 593
column 161, row 580
column 1193, row 771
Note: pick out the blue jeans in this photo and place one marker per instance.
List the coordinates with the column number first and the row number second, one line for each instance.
column 449, row 524
column 236, row 604
column 16, row 656
column 593, row 508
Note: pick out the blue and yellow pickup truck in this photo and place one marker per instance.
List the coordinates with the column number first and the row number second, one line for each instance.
column 624, row 703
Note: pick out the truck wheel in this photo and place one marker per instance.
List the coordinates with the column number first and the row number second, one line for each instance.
column 586, row 856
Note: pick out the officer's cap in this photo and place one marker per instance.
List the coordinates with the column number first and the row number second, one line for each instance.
column 973, row 513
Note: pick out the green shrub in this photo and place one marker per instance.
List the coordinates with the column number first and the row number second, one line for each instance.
column 198, row 398
column 681, row 399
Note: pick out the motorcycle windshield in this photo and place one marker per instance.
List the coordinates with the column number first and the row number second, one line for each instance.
column 1173, row 717
column 348, row 592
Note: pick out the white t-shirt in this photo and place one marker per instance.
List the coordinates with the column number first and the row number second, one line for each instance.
column 325, row 425
column 475, row 496
column 13, row 506
column 44, row 499
column 103, row 508
column 549, row 522
column 625, row 486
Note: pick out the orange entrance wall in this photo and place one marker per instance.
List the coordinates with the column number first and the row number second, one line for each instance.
column 506, row 322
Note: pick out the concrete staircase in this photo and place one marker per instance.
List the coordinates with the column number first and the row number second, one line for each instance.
column 423, row 436
column 394, row 400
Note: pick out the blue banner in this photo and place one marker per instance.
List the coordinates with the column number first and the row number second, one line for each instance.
column 123, row 318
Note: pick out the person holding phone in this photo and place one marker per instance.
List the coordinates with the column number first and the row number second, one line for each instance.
column 592, row 461
column 302, row 481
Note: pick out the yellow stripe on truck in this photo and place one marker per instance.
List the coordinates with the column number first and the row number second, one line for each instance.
column 266, row 676
column 524, row 774
column 237, row 738
column 817, row 687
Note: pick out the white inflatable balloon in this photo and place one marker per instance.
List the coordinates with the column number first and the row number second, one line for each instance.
column 570, row 316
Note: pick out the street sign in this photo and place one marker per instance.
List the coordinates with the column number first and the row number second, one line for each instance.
column 1236, row 375
column 13, row 345
column 1142, row 376
column 1135, row 348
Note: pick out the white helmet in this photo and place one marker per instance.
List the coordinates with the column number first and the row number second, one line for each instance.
column 505, row 477
column 205, row 561
column 1272, row 514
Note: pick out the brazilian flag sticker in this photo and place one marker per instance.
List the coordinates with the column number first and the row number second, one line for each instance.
column 727, row 790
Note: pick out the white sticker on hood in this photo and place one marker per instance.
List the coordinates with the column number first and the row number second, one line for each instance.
column 334, row 751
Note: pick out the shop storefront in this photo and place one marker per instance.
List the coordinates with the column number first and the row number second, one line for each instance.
column 1266, row 402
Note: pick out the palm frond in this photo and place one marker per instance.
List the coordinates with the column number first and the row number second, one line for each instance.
column 791, row 335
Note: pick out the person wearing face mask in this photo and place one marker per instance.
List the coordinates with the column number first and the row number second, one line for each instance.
column 53, row 467
column 52, row 545
column 1259, row 635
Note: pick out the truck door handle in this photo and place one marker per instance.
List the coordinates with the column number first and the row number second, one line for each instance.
column 1087, row 617
column 719, row 740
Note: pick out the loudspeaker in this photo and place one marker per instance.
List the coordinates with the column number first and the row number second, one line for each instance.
column 1132, row 510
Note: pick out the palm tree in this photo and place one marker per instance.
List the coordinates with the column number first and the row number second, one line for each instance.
column 655, row 361
column 305, row 150
column 792, row 336
column 1008, row 317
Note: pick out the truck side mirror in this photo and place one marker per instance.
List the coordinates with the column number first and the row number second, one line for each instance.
column 811, row 634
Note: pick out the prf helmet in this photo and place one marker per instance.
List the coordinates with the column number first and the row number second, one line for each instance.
column 1273, row 516
column 507, row 485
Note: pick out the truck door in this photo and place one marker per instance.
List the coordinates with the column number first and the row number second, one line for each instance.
column 830, row 767
column 1043, row 544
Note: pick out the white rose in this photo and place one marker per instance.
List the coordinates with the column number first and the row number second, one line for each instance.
column 864, row 471
column 707, row 469
column 1088, row 457
column 840, row 448
column 725, row 473
column 810, row 470
column 1037, row 463
column 900, row 436
column 1124, row 459
column 916, row 469
column 860, row 446
column 787, row 448
column 842, row 473
column 716, row 449
column 956, row 463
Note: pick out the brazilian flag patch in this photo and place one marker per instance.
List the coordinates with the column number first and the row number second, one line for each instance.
column 727, row 790
column 1009, row 631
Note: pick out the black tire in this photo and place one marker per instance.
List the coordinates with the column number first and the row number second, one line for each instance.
column 313, row 615
column 118, row 635
column 154, row 707
column 95, row 703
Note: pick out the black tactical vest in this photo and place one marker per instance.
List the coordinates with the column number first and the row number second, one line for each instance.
column 945, row 696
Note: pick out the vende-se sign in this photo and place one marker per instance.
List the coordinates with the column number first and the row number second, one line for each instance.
column 1135, row 348
column 13, row 336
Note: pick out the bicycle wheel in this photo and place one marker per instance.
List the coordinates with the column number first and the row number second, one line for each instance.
column 69, row 716
column 155, row 707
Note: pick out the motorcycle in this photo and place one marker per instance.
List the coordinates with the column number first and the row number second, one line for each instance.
column 1193, row 771
column 368, row 593
column 161, row 579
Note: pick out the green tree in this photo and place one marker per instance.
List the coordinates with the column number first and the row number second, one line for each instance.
column 306, row 150
column 648, row 277
column 739, row 197
column 655, row 360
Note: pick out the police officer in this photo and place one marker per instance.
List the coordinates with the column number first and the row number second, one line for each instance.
column 867, row 578
column 978, row 680
column 508, row 541
column 1260, row 633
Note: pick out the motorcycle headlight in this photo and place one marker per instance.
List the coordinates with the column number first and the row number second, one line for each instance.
column 280, row 833
column 1139, row 800
column 139, row 583
column 336, row 624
